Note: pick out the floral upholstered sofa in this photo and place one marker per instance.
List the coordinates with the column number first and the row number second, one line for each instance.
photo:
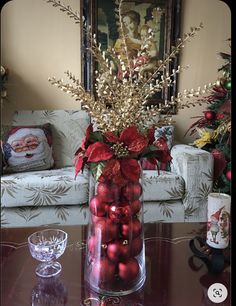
column 55, row 197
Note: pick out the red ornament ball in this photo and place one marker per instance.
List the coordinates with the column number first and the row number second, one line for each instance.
column 128, row 270
column 132, row 229
column 135, row 207
column 136, row 246
column 119, row 214
column 228, row 175
column 115, row 190
column 103, row 270
column 132, row 191
column 117, row 251
column 105, row 193
column 97, row 206
column 209, row 115
column 105, row 230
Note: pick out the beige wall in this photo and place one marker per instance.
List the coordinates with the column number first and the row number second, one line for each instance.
column 39, row 41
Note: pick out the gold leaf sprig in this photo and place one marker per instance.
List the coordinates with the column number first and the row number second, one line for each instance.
column 65, row 8
column 188, row 99
column 120, row 101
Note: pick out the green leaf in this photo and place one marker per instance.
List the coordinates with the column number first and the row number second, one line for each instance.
column 96, row 136
column 97, row 168
column 149, row 151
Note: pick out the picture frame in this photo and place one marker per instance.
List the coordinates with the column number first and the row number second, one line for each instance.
column 162, row 16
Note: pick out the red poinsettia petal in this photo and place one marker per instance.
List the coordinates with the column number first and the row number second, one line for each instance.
column 111, row 137
column 130, row 168
column 83, row 144
column 98, row 151
column 79, row 164
column 129, row 134
column 88, row 131
column 150, row 135
column 138, row 144
column 161, row 143
column 86, row 142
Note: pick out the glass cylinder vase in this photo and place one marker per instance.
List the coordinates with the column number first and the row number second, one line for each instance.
column 115, row 254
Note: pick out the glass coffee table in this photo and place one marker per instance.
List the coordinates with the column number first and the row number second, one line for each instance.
column 174, row 276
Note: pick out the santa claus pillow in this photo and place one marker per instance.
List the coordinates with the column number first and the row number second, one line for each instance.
column 28, row 148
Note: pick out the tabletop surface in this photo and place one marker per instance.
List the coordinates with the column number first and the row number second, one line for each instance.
column 174, row 276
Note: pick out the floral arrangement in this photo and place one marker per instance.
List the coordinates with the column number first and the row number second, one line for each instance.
column 4, row 77
column 119, row 106
column 114, row 156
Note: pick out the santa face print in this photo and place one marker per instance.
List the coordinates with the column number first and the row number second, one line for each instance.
column 29, row 142
column 27, row 145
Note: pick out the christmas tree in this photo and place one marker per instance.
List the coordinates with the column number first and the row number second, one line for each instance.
column 214, row 128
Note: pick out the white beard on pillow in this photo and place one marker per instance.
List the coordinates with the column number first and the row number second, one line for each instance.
column 29, row 145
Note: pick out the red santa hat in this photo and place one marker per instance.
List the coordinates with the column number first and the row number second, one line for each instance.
column 216, row 215
column 19, row 132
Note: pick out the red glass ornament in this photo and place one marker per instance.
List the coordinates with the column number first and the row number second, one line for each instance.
column 105, row 230
column 132, row 229
column 228, row 175
column 128, row 270
column 209, row 115
column 115, row 190
column 136, row 246
column 97, row 206
column 219, row 162
column 103, row 270
column 117, row 251
column 105, row 193
column 132, row 191
column 135, row 207
column 119, row 214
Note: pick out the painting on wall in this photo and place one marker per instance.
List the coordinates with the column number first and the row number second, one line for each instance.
column 139, row 18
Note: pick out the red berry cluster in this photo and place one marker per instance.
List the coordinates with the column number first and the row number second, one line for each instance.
column 115, row 238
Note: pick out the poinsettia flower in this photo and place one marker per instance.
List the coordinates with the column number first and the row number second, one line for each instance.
column 131, row 138
column 98, row 151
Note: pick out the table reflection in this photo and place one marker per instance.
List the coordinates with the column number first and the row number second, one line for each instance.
column 92, row 298
column 49, row 292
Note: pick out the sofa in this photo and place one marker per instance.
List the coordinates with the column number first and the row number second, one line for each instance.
column 55, row 197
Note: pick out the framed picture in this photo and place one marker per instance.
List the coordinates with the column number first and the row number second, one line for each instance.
column 139, row 16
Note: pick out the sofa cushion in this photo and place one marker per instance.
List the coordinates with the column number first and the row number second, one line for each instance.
column 162, row 187
column 28, row 148
column 68, row 130
column 44, row 188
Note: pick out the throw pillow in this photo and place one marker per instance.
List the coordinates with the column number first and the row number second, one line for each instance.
column 28, row 148
column 166, row 131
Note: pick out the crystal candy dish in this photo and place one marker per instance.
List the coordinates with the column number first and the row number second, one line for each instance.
column 46, row 246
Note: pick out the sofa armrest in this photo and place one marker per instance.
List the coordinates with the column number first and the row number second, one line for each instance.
column 196, row 168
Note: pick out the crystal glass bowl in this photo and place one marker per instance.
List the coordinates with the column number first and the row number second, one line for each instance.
column 46, row 246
